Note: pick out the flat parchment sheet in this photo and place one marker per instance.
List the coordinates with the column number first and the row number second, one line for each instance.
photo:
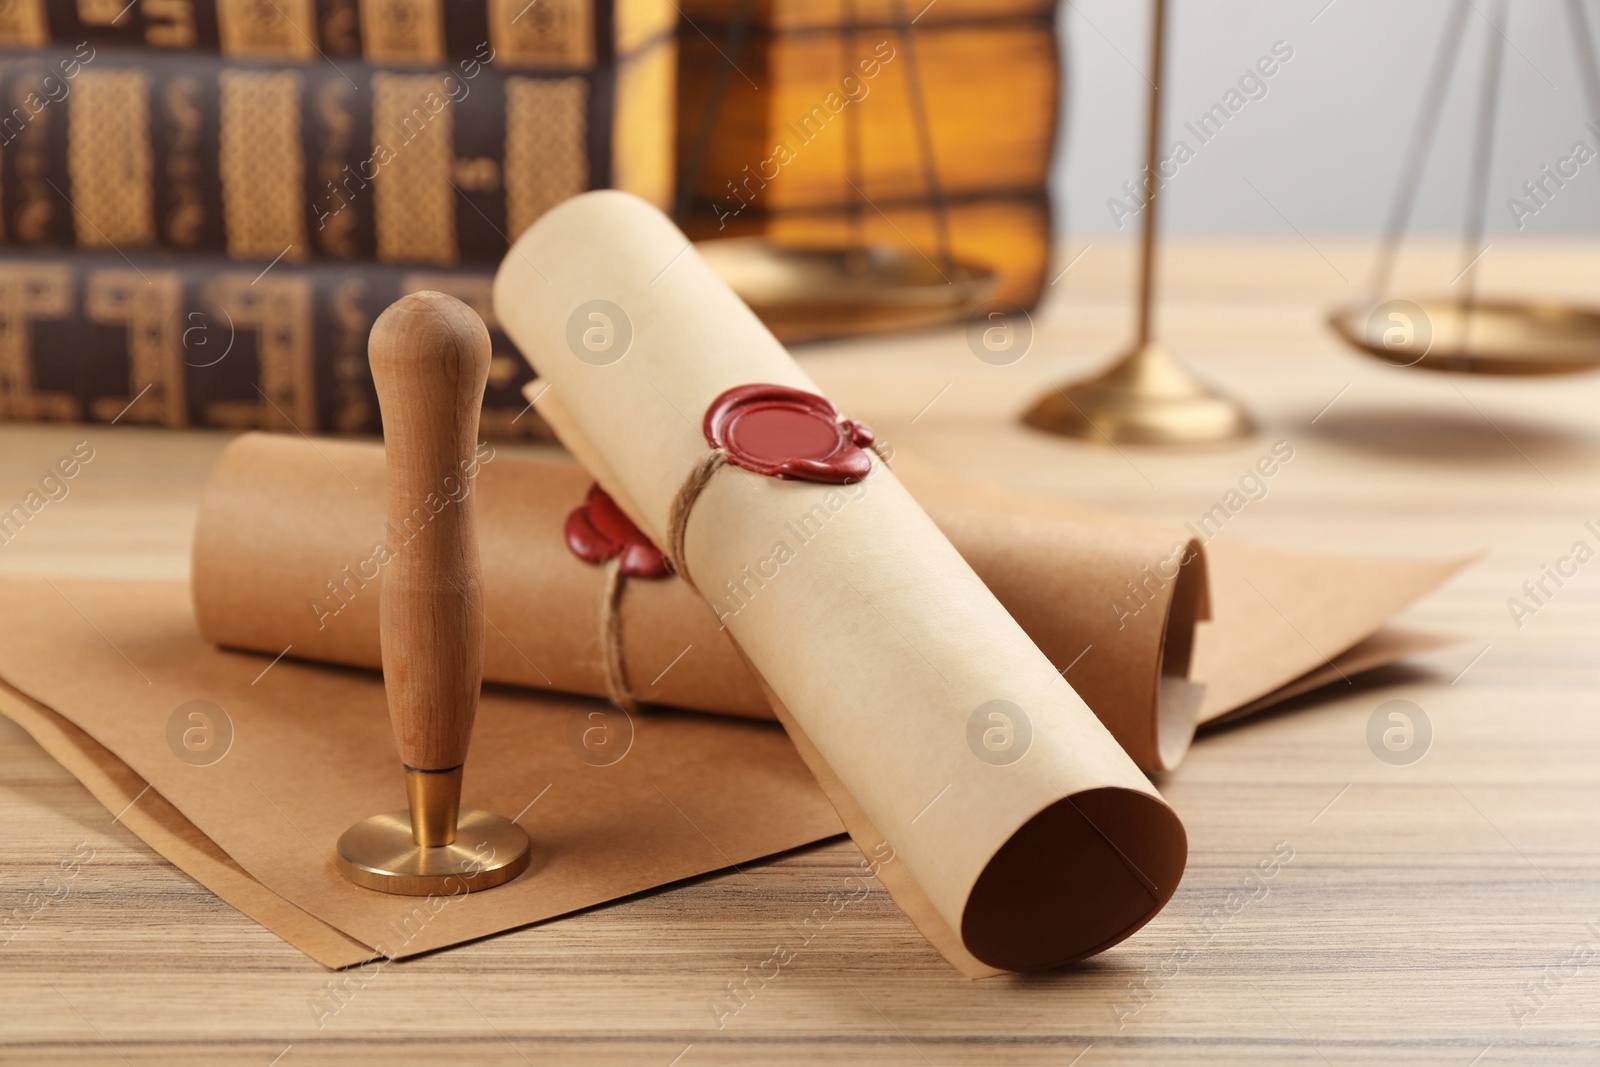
column 151, row 817
column 97, row 670
column 936, row 725
column 285, row 557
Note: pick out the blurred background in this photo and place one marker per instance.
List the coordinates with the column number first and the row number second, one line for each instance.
column 1326, row 141
column 204, row 205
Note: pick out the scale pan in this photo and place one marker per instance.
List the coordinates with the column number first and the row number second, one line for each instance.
column 1506, row 337
column 805, row 292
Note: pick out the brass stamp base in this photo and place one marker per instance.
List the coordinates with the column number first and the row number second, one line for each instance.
column 380, row 853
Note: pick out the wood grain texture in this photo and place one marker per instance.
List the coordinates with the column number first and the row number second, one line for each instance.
column 1425, row 912
column 430, row 360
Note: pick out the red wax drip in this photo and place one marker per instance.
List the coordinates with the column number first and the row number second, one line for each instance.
column 599, row 531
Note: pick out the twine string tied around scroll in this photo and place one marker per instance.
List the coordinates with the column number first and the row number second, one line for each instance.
column 617, row 688
column 689, row 492
column 616, row 675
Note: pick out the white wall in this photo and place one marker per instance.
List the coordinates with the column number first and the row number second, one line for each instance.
column 1323, row 148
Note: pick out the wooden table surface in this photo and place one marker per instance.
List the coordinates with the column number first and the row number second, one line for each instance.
column 1441, row 912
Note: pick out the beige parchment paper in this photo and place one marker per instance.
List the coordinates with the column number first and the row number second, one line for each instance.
column 887, row 656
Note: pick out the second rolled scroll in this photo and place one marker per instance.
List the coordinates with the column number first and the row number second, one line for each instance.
column 291, row 543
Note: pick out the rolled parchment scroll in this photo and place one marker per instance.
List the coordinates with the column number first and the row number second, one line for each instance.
column 291, row 541
column 1021, row 835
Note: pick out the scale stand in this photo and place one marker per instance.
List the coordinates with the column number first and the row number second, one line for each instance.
column 1147, row 397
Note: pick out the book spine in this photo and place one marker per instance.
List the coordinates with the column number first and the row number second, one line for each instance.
column 193, row 153
column 527, row 34
column 196, row 341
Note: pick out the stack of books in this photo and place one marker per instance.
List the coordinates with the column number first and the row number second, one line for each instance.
column 204, row 204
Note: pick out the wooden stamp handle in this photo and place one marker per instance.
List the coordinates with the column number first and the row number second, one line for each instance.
column 430, row 360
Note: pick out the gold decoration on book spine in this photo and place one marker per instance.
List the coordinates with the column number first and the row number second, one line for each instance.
column 545, row 140
column 550, row 33
column 338, row 214
column 22, row 22
column 109, row 160
column 341, row 27
column 147, row 305
column 34, row 213
column 169, row 23
column 100, row 12
column 403, row 31
column 414, row 150
column 351, row 323
column 185, row 219
column 263, row 169
column 279, row 310
column 274, row 29
column 27, row 293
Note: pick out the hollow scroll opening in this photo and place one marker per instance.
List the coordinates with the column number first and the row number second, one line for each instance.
column 1178, row 698
column 1080, row 876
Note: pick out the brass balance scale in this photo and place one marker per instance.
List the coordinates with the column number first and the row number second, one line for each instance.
column 1465, row 333
column 807, row 291
column 1148, row 397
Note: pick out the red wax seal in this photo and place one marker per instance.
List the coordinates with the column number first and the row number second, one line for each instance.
column 786, row 433
column 599, row 532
